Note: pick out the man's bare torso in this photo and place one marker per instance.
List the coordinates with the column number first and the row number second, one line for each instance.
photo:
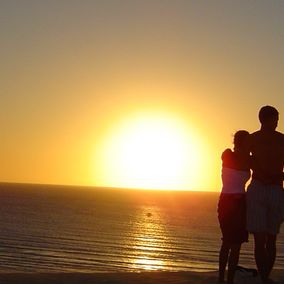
column 267, row 148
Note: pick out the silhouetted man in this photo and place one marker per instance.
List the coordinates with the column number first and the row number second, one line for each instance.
column 265, row 198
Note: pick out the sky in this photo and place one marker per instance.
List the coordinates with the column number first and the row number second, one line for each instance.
column 91, row 91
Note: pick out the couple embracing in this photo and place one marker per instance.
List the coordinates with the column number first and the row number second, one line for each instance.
column 259, row 209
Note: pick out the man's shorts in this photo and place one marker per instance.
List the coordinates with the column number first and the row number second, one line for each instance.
column 265, row 205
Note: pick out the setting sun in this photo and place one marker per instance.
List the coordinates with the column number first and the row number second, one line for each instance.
column 151, row 151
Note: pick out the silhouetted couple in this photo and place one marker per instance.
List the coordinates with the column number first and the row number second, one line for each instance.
column 259, row 209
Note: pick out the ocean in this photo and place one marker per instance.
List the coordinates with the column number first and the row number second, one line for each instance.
column 82, row 229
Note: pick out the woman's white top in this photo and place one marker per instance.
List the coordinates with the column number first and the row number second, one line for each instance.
column 234, row 181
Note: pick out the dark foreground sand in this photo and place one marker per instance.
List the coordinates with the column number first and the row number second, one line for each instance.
column 126, row 278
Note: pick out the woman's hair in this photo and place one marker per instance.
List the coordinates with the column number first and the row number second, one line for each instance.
column 240, row 137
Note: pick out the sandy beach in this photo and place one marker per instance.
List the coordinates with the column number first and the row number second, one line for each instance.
column 129, row 277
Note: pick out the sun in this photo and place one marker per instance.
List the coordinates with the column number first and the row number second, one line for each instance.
column 150, row 151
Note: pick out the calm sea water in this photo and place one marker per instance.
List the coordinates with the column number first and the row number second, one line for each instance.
column 55, row 228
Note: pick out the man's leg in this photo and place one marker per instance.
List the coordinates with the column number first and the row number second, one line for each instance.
column 271, row 252
column 233, row 262
column 223, row 259
column 260, row 254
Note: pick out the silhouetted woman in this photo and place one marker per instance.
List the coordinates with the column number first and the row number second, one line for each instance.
column 232, row 205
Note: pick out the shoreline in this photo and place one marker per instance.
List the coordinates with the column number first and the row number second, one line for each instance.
column 155, row 277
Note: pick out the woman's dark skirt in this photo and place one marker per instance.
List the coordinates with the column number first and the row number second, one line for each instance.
column 232, row 218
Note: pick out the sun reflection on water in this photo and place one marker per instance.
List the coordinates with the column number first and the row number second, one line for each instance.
column 150, row 236
column 149, row 264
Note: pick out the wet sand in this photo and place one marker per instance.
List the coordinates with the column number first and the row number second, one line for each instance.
column 129, row 277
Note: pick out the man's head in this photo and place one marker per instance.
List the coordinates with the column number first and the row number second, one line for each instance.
column 268, row 117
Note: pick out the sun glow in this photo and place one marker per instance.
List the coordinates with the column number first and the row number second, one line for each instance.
column 151, row 151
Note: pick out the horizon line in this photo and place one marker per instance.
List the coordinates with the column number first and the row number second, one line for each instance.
column 97, row 186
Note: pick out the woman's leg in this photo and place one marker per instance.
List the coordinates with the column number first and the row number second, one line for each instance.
column 223, row 259
column 233, row 261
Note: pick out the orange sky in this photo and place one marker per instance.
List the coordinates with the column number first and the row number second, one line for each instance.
column 73, row 75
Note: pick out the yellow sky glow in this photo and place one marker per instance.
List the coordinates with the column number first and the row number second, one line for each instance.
column 133, row 93
column 151, row 151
